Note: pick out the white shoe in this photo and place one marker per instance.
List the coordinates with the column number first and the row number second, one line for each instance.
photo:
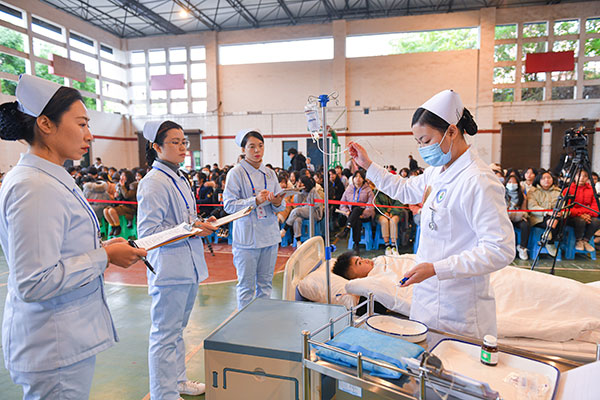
column 191, row 388
column 551, row 248
column 388, row 250
column 588, row 247
column 395, row 251
column 298, row 243
column 282, row 233
column 579, row 245
column 522, row 253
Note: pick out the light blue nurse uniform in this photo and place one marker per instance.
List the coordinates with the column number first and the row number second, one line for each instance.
column 165, row 200
column 255, row 240
column 56, row 318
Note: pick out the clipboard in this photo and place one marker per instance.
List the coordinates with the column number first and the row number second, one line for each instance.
column 181, row 231
column 232, row 217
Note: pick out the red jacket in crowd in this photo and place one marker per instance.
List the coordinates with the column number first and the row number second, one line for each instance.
column 585, row 196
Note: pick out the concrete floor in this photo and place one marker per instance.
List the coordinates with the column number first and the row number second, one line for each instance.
column 122, row 371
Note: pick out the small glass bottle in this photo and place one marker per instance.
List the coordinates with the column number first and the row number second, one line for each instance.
column 489, row 350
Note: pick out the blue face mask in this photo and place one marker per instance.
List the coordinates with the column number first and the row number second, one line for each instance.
column 433, row 154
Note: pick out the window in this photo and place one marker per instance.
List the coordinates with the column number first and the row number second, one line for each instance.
column 535, row 29
column 197, row 54
column 13, row 39
column 504, row 75
column 138, row 74
column 295, row 50
column 157, row 56
column 178, row 69
column 138, row 92
column 179, row 107
column 592, row 25
column 592, row 47
column 158, row 94
column 591, row 70
column 199, row 89
column 82, row 43
column 157, row 70
column 90, row 63
column 12, row 64
column 12, row 15
column 177, row 55
column 535, row 77
column 43, row 49
column 114, row 107
column 41, row 70
column 106, row 51
column 505, row 52
column 114, row 90
column 138, row 57
column 591, row 92
column 90, row 85
column 566, row 45
column 113, row 71
column 179, row 94
column 199, row 107
column 564, row 75
column 570, row 27
column 198, row 71
column 8, row 87
column 534, row 47
column 563, row 92
column 90, row 103
column 158, row 108
column 506, row 31
column 47, row 29
column 411, row 42
column 532, row 94
column 139, row 109
column 503, row 95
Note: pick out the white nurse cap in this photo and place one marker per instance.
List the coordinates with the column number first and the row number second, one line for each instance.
column 151, row 130
column 239, row 138
column 33, row 94
column 446, row 105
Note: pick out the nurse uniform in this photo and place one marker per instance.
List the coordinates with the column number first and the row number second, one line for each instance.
column 256, row 237
column 56, row 318
column 165, row 200
column 465, row 233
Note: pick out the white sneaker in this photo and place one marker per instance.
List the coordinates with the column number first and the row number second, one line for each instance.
column 388, row 250
column 282, row 233
column 395, row 251
column 587, row 246
column 191, row 388
column 579, row 245
column 551, row 248
column 522, row 253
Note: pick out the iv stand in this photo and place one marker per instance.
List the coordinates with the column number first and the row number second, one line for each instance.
column 323, row 100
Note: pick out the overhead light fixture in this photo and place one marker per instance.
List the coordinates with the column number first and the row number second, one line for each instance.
column 183, row 13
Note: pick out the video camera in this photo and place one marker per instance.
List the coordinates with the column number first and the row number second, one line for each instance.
column 576, row 138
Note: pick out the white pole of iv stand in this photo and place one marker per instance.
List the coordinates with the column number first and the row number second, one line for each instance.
column 323, row 100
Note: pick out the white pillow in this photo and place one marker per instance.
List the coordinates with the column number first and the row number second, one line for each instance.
column 314, row 287
column 594, row 284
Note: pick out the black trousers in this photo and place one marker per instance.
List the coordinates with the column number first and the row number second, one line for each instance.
column 524, row 227
column 583, row 230
column 543, row 225
column 355, row 222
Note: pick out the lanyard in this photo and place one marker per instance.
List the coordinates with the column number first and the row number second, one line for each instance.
column 252, row 183
column 89, row 210
column 354, row 197
column 179, row 190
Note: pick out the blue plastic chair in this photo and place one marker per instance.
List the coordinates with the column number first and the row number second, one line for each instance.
column 569, row 245
column 366, row 238
column 417, row 235
column 534, row 247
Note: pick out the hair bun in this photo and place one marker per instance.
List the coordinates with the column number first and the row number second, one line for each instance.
column 468, row 123
column 11, row 122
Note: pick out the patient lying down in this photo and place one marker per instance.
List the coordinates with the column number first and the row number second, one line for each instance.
column 528, row 303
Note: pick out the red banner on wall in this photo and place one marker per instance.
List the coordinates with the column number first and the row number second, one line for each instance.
column 548, row 62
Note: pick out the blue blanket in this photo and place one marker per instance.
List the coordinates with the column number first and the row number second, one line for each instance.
column 373, row 345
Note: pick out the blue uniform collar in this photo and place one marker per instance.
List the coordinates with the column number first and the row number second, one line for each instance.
column 250, row 168
column 56, row 171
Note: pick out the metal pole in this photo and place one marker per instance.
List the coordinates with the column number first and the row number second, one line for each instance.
column 306, row 356
column 323, row 99
column 311, row 220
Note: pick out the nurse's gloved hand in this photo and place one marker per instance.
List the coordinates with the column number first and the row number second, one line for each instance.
column 419, row 273
column 262, row 196
column 359, row 154
column 122, row 254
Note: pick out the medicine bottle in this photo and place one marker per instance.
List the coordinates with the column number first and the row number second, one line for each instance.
column 489, row 350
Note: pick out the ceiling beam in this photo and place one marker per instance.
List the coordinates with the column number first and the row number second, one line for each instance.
column 143, row 12
column 243, row 12
column 287, row 11
column 198, row 14
column 332, row 12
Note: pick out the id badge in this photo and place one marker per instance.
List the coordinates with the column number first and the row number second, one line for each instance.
column 261, row 212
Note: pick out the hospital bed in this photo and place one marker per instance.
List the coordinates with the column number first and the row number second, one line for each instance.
column 304, row 280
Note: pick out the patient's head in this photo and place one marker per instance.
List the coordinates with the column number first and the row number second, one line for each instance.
column 351, row 266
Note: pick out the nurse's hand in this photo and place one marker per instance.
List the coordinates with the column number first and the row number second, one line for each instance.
column 359, row 155
column 206, row 226
column 419, row 273
column 262, row 196
column 275, row 200
column 122, row 254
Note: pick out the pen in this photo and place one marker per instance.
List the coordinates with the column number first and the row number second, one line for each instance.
column 144, row 259
column 403, row 281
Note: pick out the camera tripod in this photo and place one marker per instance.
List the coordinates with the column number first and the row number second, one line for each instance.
column 566, row 201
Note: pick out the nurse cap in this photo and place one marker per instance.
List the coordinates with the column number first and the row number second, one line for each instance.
column 446, row 105
column 33, row 94
column 239, row 138
column 151, row 130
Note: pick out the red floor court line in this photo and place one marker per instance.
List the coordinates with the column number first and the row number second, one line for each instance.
column 220, row 267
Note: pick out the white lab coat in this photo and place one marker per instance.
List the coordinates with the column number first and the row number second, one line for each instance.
column 471, row 237
column 56, row 313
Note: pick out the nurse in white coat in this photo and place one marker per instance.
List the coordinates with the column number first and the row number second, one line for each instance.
column 56, row 318
column 465, row 230
column 256, row 237
column 165, row 200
